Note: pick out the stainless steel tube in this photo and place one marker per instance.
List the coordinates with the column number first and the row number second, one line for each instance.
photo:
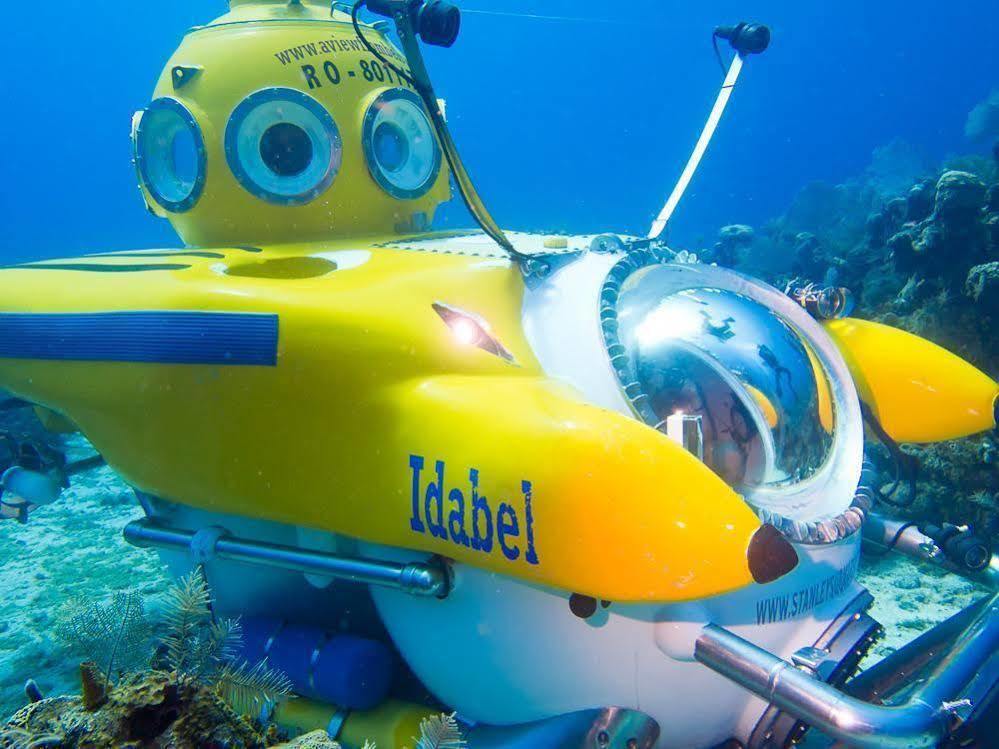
column 416, row 578
column 922, row 722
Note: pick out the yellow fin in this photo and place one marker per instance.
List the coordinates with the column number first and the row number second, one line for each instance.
column 919, row 391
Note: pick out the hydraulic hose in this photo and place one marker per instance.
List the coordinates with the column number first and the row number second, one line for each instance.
column 419, row 77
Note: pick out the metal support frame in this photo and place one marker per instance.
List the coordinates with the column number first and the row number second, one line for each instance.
column 834, row 657
column 420, row 579
column 923, row 721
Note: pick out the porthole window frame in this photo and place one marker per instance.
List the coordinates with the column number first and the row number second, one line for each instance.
column 175, row 106
column 794, row 510
column 368, row 143
column 250, row 104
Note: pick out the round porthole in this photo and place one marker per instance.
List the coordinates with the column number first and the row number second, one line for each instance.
column 170, row 155
column 399, row 144
column 283, row 146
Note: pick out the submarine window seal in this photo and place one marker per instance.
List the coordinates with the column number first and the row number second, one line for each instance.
column 170, row 154
column 283, row 146
column 402, row 154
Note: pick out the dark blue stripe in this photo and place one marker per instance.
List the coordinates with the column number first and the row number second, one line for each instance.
column 94, row 268
column 233, row 338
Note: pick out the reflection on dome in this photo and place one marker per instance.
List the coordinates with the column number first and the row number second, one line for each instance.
column 761, row 396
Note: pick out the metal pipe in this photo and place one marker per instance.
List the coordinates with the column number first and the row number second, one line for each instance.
column 887, row 676
column 922, row 722
column 888, row 534
column 415, row 578
column 83, row 464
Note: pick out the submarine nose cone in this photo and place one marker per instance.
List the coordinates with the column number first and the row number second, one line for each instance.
column 770, row 555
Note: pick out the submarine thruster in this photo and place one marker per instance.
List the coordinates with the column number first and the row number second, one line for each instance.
column 588, row 496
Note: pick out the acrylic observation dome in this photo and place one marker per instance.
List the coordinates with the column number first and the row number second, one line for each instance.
column 749, row 378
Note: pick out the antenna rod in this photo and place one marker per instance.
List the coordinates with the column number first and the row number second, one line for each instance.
column 746, row 39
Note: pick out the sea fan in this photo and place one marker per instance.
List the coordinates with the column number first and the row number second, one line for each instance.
column 115, row 635
column 440, row 732
column 247, row 688
column 195, row 646
column 206, row 650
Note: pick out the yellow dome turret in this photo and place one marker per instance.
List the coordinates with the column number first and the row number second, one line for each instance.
column 274, row 123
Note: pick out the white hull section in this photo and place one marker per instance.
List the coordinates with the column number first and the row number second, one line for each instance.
column 500, row 651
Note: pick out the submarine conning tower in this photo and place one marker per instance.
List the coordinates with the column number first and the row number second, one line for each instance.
column 274, row 123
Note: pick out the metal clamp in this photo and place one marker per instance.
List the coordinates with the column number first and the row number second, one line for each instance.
column 809, row 659
column 203, row 543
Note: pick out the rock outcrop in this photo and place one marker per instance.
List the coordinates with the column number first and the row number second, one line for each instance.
column 920, row 251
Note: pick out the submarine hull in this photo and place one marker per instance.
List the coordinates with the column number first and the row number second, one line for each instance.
column 505, row 652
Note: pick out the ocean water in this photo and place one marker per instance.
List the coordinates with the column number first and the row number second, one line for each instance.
column 580, row 125
column 861, row 151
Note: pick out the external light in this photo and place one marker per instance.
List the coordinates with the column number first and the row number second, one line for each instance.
column 466, row 331
column 435, row 21
column 471, row 330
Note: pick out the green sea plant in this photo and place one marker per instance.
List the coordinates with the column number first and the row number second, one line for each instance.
column 982, row 498
column 115, row 635
column 440, row 732
column 199, row 647
column 436, row 732
column 194, row 645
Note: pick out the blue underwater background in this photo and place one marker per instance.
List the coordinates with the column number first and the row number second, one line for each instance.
column 861, row 149
column 573, row 125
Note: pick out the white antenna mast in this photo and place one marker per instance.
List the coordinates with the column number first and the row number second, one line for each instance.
column 746, row 39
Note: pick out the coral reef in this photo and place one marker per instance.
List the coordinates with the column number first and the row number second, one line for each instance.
column 983, row 121
column 199, row 647
column 919, row 249
column 440, row 732
column 151, row 708
column 313, row 740
column 191, row 694
column 116, row 635
column 732, row 240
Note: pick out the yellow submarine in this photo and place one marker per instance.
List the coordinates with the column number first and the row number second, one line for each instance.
column 581, row 493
